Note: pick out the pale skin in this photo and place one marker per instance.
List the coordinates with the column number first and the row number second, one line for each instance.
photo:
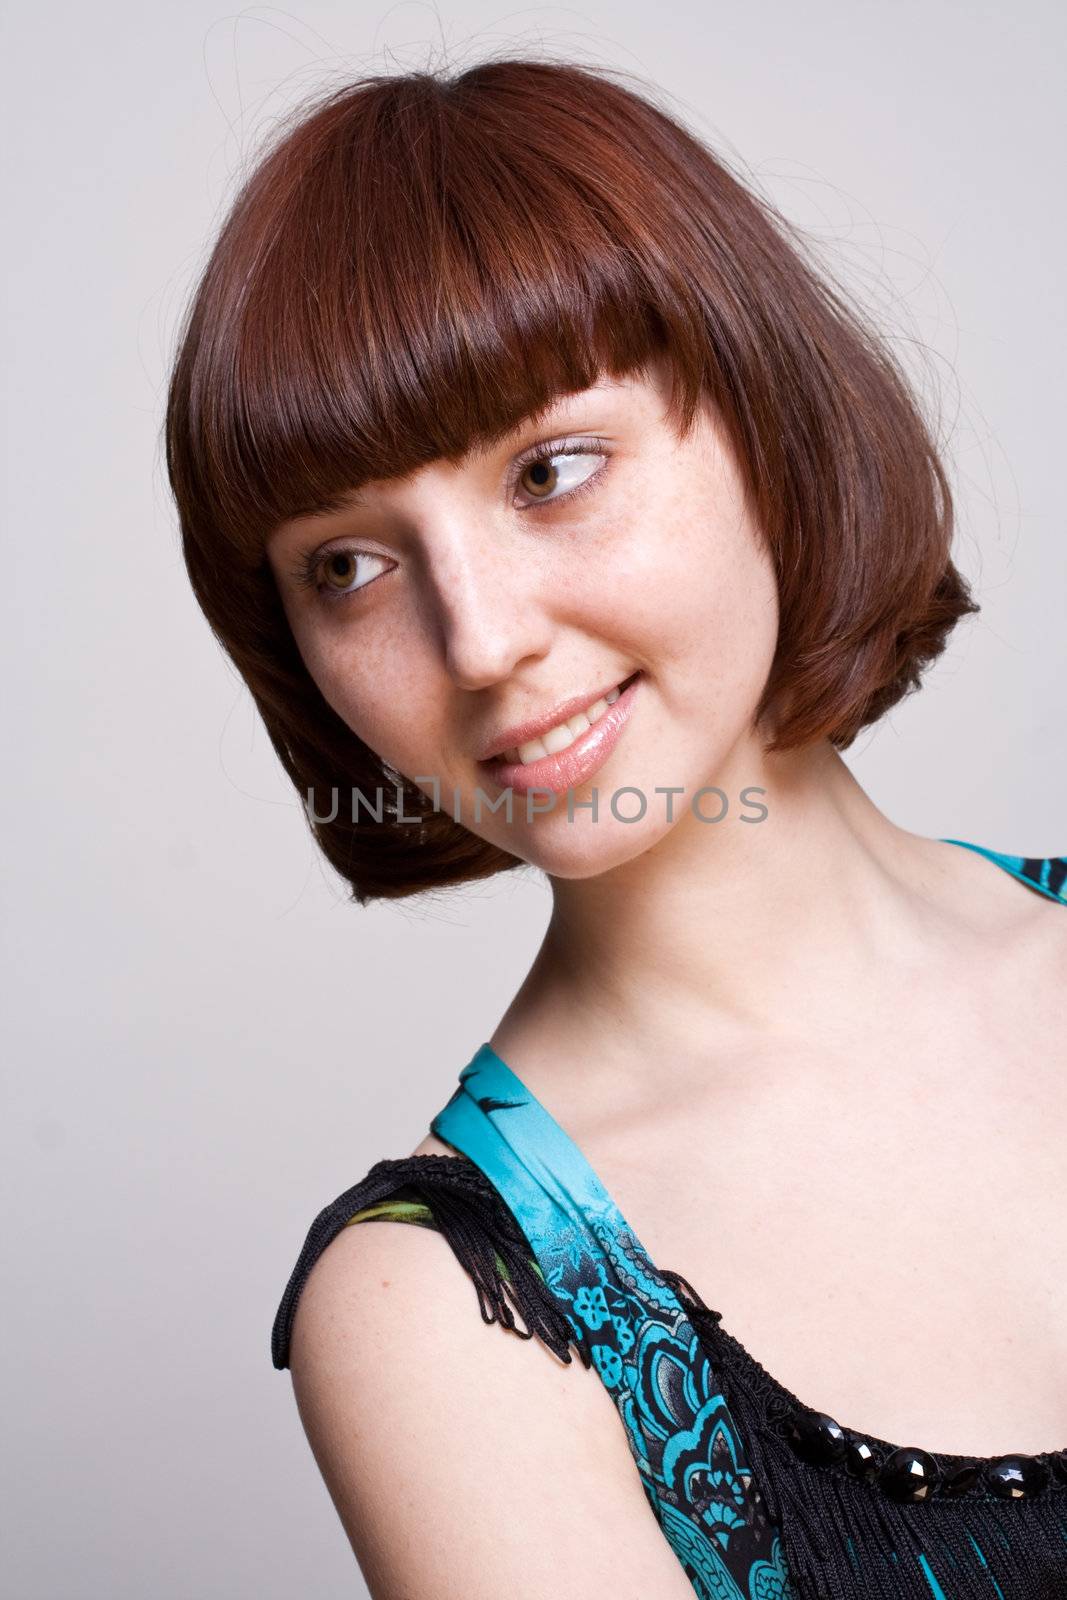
column 817, row 1061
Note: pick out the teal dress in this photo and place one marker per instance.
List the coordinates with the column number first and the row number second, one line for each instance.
column 759, row 1501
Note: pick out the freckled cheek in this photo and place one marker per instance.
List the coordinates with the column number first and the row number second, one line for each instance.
column 349, row 681
column 740, row 630
column 379, row 697
column 630, row 584
column 341, row 678
column 682, row 583
column 716, row 603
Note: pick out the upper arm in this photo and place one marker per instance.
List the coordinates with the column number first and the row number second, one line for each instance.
column 465, row 1463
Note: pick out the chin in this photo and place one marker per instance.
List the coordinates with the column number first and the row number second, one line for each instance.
column 574, row 851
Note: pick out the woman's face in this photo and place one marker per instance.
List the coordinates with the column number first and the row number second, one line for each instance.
column 449, row 607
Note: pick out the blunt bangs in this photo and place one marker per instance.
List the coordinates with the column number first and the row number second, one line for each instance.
column 429, row 272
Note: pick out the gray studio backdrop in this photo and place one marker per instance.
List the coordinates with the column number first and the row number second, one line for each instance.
column 204, row 1044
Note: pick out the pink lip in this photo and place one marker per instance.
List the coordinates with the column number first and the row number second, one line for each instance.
column 534, row 727
column 570, row 767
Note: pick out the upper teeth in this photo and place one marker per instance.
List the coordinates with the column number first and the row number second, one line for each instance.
column 565, row 733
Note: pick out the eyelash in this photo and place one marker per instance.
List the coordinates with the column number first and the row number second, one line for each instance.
column 305, row 573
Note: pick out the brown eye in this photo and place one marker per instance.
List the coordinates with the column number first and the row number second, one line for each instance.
column 339, row 569
column 539, row 478
column 340, row 574
column 560, row 473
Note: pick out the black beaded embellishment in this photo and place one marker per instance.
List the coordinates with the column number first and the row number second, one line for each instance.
column 913, row 1476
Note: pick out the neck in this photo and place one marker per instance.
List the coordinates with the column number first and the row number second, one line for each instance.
column 736, row 929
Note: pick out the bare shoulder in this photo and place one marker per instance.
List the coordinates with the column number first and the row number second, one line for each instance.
column 464, row 1462
column 433, row 1146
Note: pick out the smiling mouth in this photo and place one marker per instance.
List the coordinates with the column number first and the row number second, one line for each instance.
column 565, row 733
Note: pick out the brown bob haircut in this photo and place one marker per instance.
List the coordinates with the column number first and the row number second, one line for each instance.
column 417, row 263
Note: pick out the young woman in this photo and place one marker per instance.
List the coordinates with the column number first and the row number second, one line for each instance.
column 555, row 510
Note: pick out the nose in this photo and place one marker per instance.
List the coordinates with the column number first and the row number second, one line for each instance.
column 489, row 601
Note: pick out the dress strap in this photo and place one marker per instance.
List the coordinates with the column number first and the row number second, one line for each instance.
column 1048, row 874
column 692, row 1463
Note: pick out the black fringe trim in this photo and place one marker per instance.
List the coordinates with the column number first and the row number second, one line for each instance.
column 489, row 1244
column 481, row 1231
